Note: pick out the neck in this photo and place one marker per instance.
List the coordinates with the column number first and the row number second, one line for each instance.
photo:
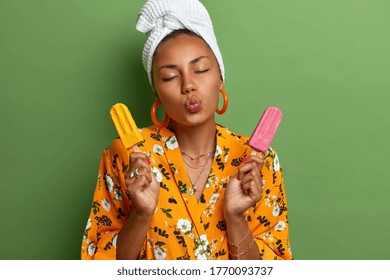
column 195, row 140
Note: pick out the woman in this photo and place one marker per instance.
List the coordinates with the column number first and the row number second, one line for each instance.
column 192, row 189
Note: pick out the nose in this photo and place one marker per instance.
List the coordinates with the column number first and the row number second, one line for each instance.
column 188, row 86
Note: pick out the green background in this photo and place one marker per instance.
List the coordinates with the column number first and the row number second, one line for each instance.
column 326, row 64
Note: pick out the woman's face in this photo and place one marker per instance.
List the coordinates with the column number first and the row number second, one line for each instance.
column 187, row 79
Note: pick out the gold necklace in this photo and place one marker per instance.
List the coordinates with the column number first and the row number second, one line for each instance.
column 200, row 156
column 209, row 154
column 194, row 167
column 193, row 184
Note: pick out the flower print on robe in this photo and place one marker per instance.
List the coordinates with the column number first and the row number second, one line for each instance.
column 183, row 228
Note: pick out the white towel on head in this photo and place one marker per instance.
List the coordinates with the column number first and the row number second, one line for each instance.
column 158, row 18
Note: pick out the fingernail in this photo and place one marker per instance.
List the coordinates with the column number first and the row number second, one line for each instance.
column 149, row 161
column 245, row 159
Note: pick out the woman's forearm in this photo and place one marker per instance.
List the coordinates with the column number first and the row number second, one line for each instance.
column 241, row 242
column 132, row 236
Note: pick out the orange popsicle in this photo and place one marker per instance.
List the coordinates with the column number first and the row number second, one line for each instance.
column 265, row 130
column 125, row 125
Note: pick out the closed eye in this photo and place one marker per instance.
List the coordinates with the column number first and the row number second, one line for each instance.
column 202, row 71
column 168, row 79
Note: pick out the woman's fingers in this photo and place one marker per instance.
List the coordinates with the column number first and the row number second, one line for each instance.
column 253, row 190
column 139, row 172
column 250, row 177
column 254, row 158
column 251, row 169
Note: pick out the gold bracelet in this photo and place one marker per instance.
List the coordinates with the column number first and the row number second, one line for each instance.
column 238, row 243
column 238, row 255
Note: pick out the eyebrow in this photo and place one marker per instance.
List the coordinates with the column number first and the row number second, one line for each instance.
column 194, row 61
column 198, row 59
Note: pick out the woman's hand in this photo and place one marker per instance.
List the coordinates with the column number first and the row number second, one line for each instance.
column 142, row 184
column 244, row 189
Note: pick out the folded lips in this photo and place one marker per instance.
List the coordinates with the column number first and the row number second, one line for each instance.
column 193, row 105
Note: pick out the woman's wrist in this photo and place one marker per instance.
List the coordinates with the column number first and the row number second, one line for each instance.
column 132, row 235
column 235, row 221
column 141, row 215
column 234, row 218
column 241, row 242
column 232, row 214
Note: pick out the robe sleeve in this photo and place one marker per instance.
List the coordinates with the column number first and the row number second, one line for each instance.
column 268, row 219
column 110, row 206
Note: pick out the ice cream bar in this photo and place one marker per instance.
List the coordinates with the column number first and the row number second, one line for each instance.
column 125, row 126
column 265, row 130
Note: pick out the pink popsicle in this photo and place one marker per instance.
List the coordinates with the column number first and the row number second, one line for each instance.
column 265, row 130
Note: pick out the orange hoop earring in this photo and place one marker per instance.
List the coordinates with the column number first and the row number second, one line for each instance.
column 225, row 102
column 153, row 115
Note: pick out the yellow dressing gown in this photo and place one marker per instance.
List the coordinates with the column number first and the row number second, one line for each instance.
column 181, row 227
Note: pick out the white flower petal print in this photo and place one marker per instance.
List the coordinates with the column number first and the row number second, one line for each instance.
column 157, row 174
column 114, row 240
column 89, row 224
column 184, row 225
column 226, row 158
column 276, row 163
column 276, row 210
column 118, row 195
column 280, row 226
column 200, row 253
column 172, row 143
column 158, row 149
column 106, row 205
column 218, row 151
column 159, row 254
column 214, row 198
column 203, row 240
column 110, row 183
column 91, row 249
